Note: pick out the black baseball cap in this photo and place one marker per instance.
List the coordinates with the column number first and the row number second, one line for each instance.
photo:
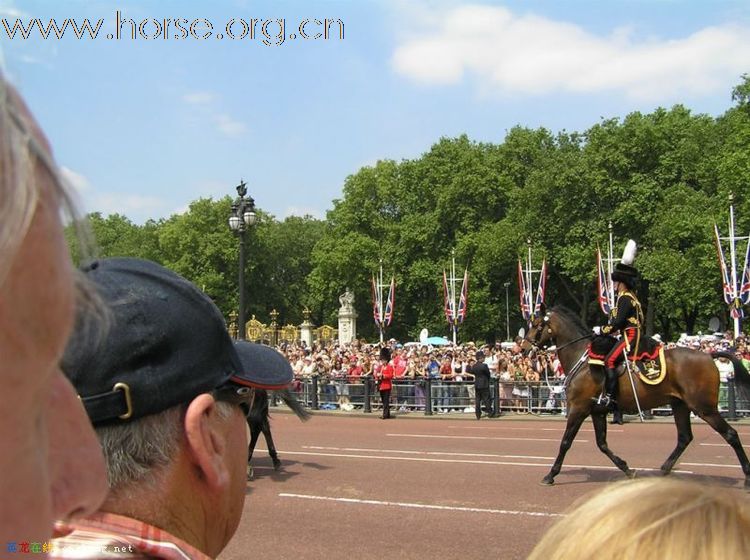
column 166, row 343
column 267, row 368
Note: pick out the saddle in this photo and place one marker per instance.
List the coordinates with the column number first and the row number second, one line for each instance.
column 649, row 361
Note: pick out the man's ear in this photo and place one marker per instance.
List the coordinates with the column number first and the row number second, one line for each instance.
column 206, row 440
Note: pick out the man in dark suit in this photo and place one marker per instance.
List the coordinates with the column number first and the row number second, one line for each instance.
column 481, row 374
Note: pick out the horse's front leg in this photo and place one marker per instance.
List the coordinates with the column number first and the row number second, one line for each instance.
column 255, row 429
column 600, row 430
column 266, row 427
column 575, row 419
column 681, row 415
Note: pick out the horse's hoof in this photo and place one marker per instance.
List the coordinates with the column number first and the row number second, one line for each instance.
column 631, row 473
column 276, row 464
column 547, row 481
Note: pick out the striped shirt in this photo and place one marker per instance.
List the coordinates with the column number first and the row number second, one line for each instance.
column 109, row 536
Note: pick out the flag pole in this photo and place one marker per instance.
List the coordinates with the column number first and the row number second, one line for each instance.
column 733, row 259
column 529, row 283
column 530, row 299
column 380, row 302
column 610, row 260
column 454, row 306
column 735, row 295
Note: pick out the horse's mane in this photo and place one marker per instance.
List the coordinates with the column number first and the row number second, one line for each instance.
column 571, row 318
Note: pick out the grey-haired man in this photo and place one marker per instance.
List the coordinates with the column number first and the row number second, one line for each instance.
column 168, row 395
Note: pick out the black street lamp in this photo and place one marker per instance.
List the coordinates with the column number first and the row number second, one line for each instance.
column 241, row 218
column 507, row 312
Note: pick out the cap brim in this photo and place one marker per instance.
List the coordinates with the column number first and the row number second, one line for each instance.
column 262, row 367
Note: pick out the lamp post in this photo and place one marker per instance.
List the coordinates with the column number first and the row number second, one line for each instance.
column 241, row 218
column 507, row 312
column 274, row 327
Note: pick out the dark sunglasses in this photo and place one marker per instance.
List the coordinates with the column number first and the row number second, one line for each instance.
column 244, row 397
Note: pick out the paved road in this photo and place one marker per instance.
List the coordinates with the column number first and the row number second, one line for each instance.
column 445, row 488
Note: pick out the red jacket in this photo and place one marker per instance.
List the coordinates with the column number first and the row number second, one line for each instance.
column 386, row 376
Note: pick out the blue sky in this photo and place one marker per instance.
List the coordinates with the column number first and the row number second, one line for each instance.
column 142, row 127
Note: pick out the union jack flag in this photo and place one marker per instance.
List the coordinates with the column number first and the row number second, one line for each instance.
column 744, row 294
column 729, row 295
column 448, row 303
column 388, row 316
column 464, row 300
column 524, row 295
column 737, row 312
column 375, row 302
column 542, row 288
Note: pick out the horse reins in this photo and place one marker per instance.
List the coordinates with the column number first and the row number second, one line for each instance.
column 576, row 367
column 574, row 341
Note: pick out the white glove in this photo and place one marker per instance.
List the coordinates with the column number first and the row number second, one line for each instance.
column 597, row 330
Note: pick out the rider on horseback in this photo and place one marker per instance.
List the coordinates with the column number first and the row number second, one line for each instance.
column 626, row 318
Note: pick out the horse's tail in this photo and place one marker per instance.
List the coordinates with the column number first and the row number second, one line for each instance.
column 291, row 401
column 741, row 374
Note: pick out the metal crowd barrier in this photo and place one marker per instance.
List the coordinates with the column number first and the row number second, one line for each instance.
column 434, row 396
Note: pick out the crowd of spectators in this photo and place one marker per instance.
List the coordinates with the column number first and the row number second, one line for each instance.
column 525, row 383
column 342, row 369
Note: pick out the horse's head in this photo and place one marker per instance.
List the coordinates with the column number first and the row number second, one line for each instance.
column 541, row 333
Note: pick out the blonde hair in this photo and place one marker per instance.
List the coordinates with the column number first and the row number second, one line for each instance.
column 652, row 518
column 21, row 147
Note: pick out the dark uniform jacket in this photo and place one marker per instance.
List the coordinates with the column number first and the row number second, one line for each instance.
column 627, row 318
column 481, row 375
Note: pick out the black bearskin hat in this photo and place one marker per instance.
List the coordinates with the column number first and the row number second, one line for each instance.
column 626, row 274
column 385, row 354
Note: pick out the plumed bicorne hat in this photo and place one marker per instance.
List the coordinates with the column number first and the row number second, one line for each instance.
column 624, row 270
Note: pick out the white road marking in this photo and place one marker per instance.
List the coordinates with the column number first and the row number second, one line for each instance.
column 498, row 427
column 420, row 506
column 413, row 452
column 434, row 436
column 465, row 461
column 711, row 465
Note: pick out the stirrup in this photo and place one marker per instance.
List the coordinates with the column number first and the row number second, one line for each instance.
column 606, row 400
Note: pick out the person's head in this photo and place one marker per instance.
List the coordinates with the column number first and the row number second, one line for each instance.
column 479, row 355
column 385, row 354
column 652, row 518
column 167, row 392
column 51, row 463
column 624, row 277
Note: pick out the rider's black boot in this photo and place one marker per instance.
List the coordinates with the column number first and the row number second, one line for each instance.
column 610, row 386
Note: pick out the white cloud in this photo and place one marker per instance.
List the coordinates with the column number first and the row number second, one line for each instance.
column 131, row 205
column 529, row 54
column 228, row 126
column 7, row 10
column 225, row 124
column 198, row 97
column 137, row 207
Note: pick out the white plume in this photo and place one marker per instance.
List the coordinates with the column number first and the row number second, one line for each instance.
column 628, row 255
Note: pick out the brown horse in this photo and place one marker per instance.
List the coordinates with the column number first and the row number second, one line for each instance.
column 691, row 384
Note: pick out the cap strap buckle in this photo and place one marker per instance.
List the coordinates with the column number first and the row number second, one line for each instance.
column 128, row 401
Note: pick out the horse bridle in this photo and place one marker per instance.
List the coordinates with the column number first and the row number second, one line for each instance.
column 538, row 335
